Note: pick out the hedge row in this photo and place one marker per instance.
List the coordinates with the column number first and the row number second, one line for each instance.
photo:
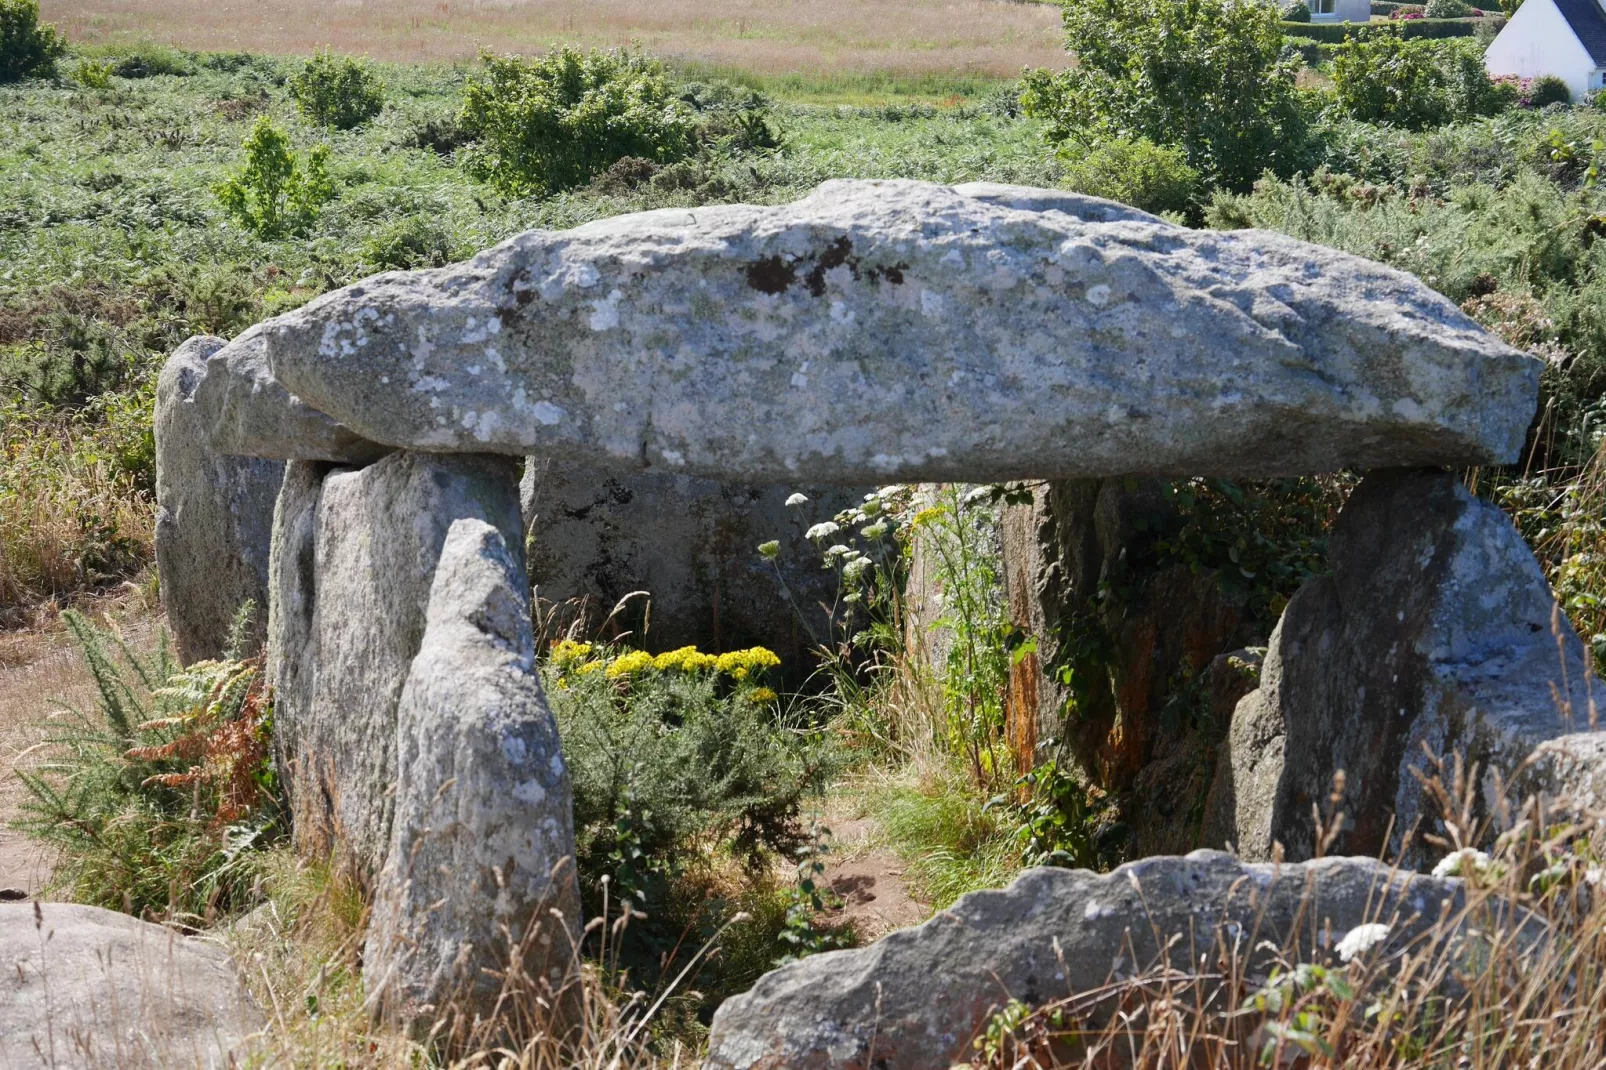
column 1335, row 32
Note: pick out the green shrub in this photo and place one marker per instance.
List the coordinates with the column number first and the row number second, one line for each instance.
column 1447, row 9
column 1296, row 12
column 1140, row 173
column 92, row 75
column 149, row 60
column 1207, row 76
column 1548, row 89
column 276, row 194
column 1334, row 33
column 1415, row 84
column 27, row 49
column 157, row 798
column 411, row 242
column 557, row 122
column 343, row 93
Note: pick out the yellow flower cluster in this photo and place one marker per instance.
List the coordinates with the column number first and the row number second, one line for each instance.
column 686, row 659
column 738, row 663
column 762, row 694
column 628, row 662
column 565, row 652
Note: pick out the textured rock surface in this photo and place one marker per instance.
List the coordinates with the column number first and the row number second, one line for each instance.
column 244, row 410
column 354, row 557
column 214, row 516
column 92, row 988
column 1572, row 768
column 905, row 330
column 599, row 535
column 1435, row 627
column 920, row 994
column 483, row 841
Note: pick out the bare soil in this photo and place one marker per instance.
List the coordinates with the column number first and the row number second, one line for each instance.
column 868, row 881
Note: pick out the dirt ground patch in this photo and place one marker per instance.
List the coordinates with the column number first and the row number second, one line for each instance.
column 868, row 881
column 766, row 36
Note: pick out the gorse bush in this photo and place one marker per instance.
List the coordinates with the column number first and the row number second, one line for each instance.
column 556, row 122
column 1383, row 78
column 1140, row 173
column 343, row 93
column 27, row 49
column 1207, row 76
column 158, row 797
column 1548, row 89
column 276, row 194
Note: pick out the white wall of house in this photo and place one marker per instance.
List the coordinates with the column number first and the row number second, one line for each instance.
column 1538, row 41
column 1340, row 10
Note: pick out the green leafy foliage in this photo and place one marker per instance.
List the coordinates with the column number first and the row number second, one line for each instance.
column 1204, row 75
column 1297, row 11
column 27, row 49
column 1447, row 9
column 1383, row 78
column 276, row 194
column 1140, row 173
column 557, row 122
column 158, row 797
column 1548, row 89
column 343, row 93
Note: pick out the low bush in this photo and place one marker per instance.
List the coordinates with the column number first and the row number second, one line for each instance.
column 27, row 49
column 1296, row 12
column 1548, row 89
column 1446, row 9
column 1138, row 172
column 158, row 797
column 276, row 194
column 343, row 93
column 557, row 122
column 410, row 242
column 149, row 61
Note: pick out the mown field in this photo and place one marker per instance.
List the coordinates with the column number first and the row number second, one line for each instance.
column 995, row 37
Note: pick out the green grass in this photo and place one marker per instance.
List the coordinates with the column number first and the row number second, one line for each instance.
column 949, row 843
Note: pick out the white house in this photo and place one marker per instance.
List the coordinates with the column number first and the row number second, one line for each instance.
column 1340, row 10
column 1566, row 38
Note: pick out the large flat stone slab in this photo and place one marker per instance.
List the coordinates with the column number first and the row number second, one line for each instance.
column 86, row 987
column 904, row 330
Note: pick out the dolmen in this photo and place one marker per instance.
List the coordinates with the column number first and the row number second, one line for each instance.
column 873, row 332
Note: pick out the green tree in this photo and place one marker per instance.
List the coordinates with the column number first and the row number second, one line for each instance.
column 343, row 93
column 275, row 194
column 1203, row 75
column 1416, row 84
column 27, row 48
column 557, row 122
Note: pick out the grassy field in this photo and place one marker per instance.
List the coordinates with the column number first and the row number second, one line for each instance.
column 993, row 37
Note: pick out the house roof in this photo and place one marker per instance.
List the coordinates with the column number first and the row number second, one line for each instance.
column 1589, row 26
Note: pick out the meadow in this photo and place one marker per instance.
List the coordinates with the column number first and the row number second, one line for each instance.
column 990, row 37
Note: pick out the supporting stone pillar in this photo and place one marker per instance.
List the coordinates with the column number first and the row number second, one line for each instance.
column 482, row 845
column 1436, row 629
column 214, row 517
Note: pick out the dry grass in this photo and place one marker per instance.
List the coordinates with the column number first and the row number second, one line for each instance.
column 766, row 36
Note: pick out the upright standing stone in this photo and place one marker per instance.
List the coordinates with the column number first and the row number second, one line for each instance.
column 359, row 560
column 1436, row 630
column 214, row 517
column 596, row 535
column 482, row 846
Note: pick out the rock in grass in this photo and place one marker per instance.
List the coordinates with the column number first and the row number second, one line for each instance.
column 883, row 330
column 354, row 555
column 482, row 848
column 86, row 987
column 214, row 516
column 1435, row 629
column 915, row 999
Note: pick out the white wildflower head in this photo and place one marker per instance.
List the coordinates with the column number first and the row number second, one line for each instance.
column 1467, row 862
column 797, row 499
column 889, row 491
column 855, row 567
column 837, row 551
column 871, row 506
column 977, row 494
column 769, row 551
column 874, row 531
column 823, row 530
column 1361, row 939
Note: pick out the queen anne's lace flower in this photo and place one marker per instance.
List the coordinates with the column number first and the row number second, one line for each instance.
column 797, row 499
column 823, row 530
column 1463, row 863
